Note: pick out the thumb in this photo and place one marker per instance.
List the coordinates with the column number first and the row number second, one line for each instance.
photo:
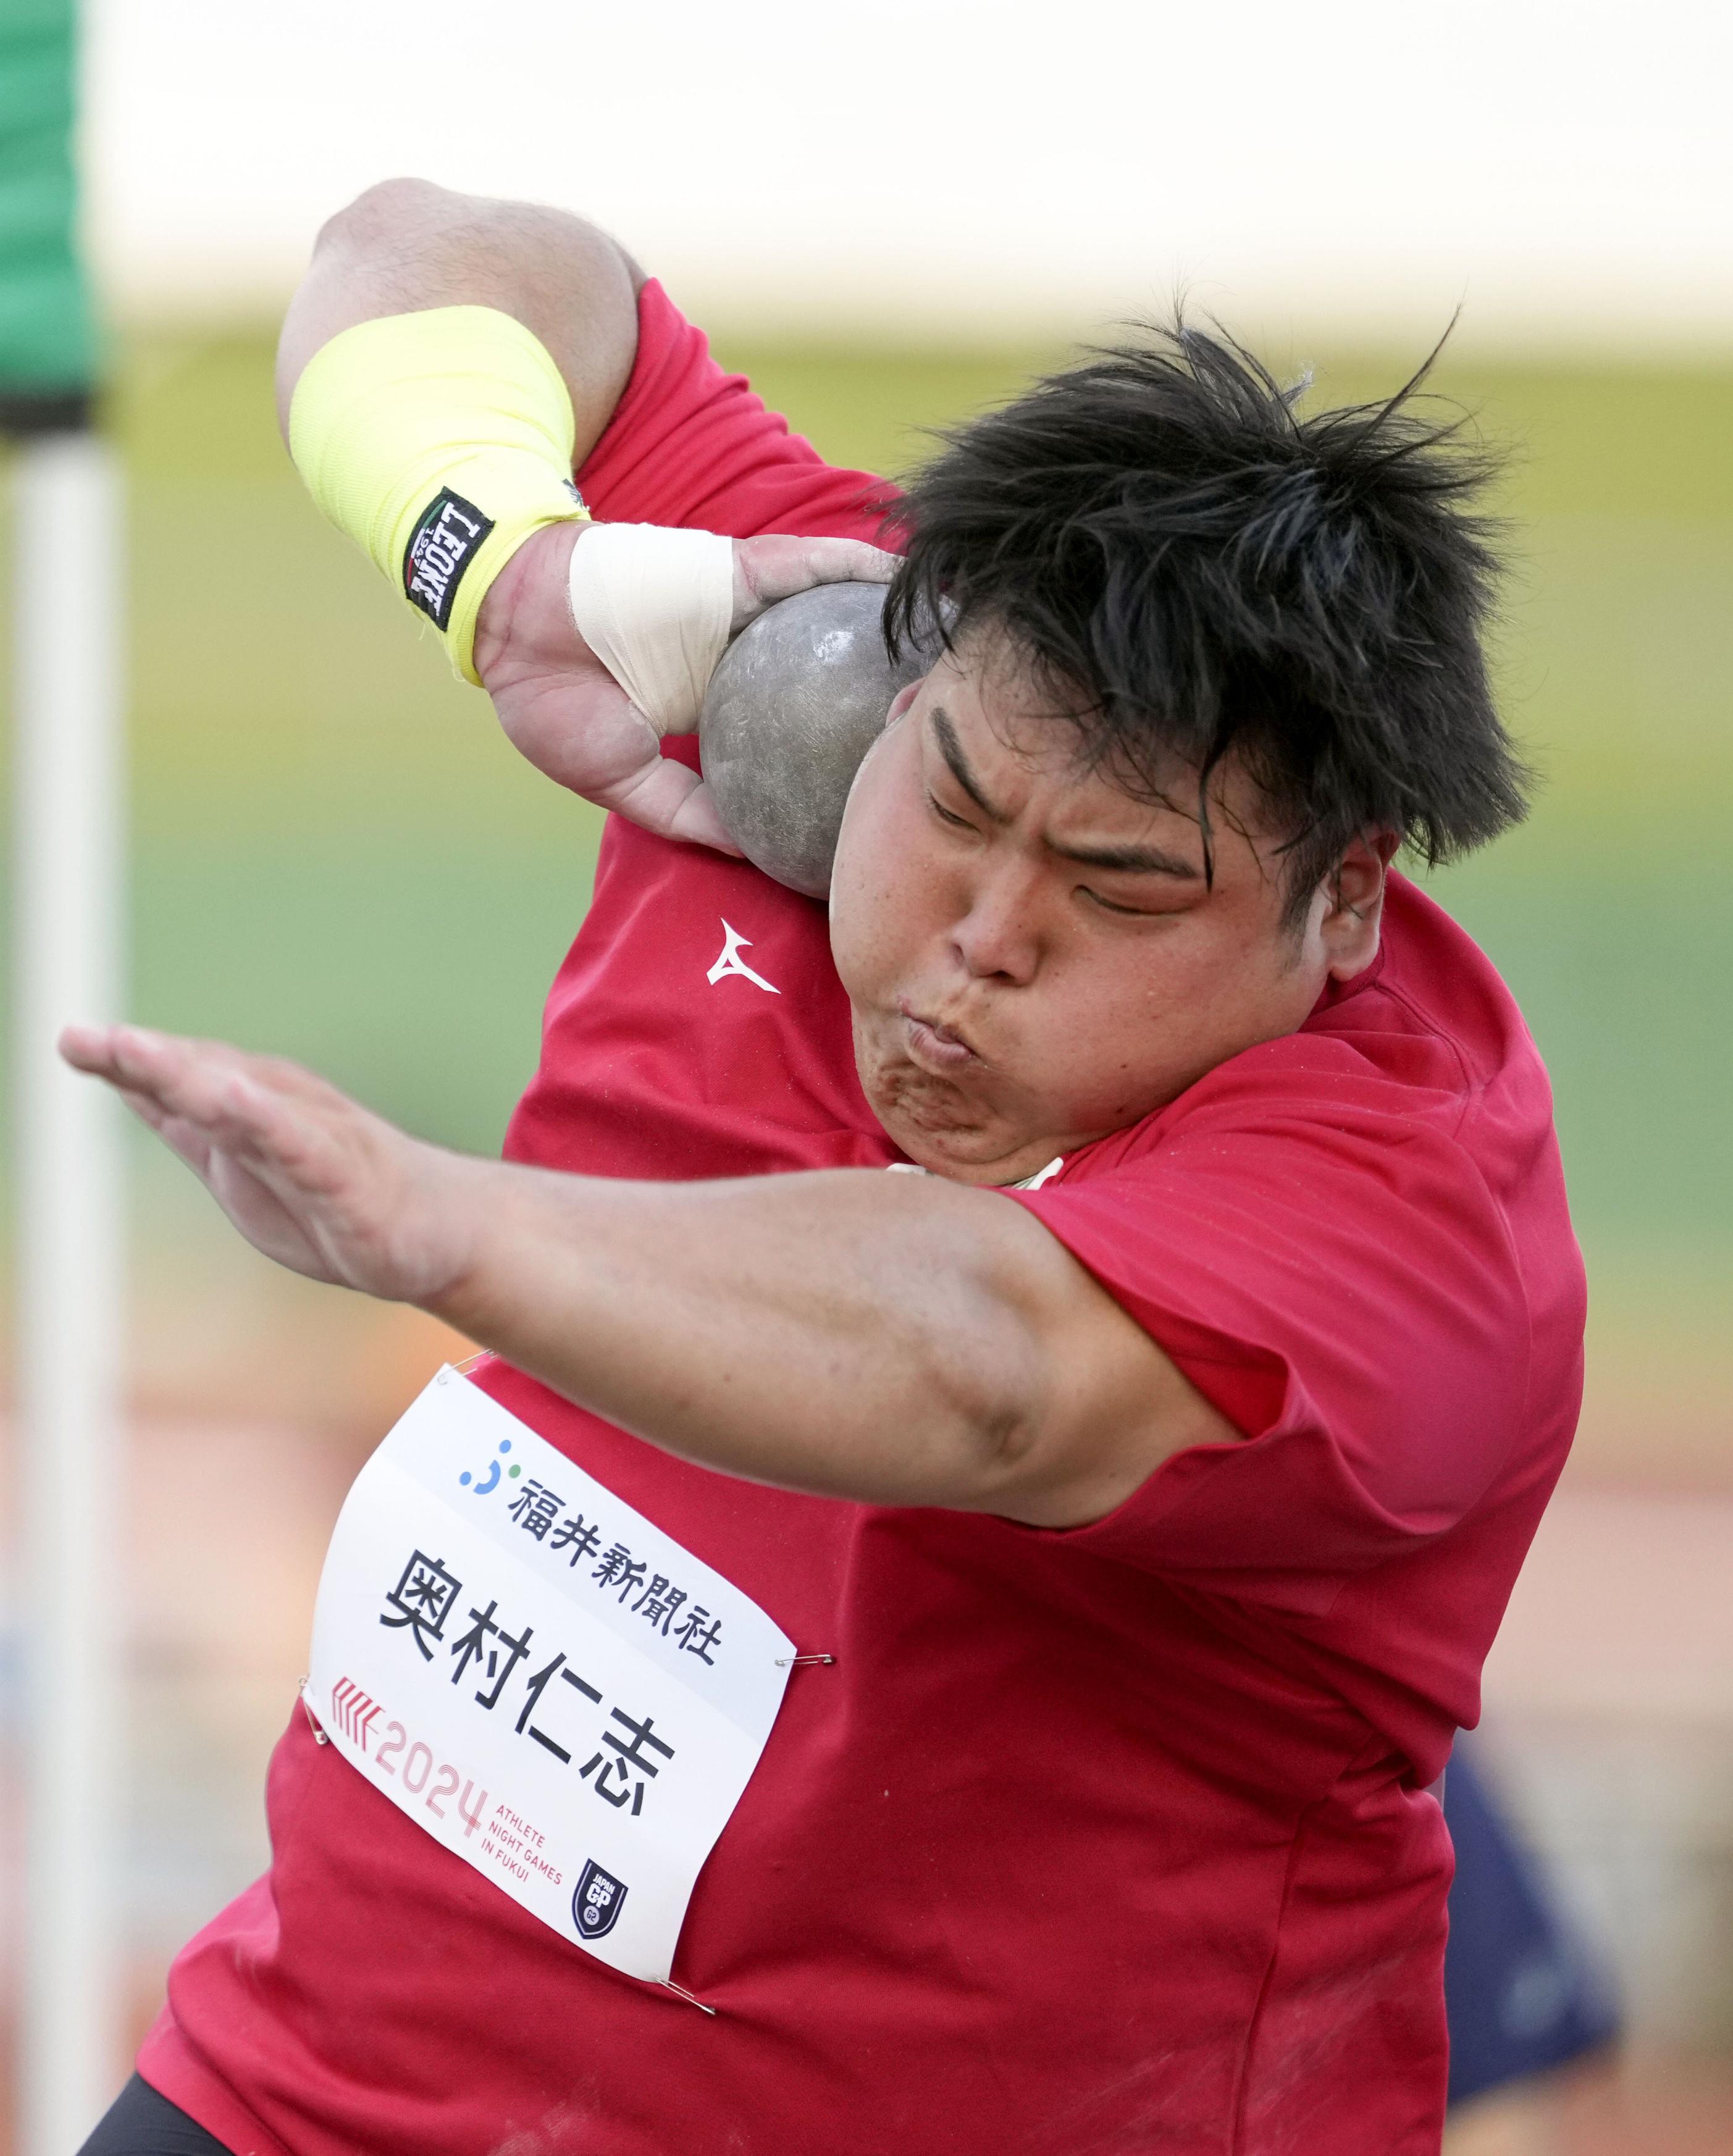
column 665, row 796
column 779, row 564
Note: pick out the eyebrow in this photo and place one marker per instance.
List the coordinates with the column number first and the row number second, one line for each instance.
column 951, row 749
column 1133, row 860
column 1130, row 860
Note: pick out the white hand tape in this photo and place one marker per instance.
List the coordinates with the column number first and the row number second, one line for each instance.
column 654, row 605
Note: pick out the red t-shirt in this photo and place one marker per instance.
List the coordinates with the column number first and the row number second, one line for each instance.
column 1116, row 1839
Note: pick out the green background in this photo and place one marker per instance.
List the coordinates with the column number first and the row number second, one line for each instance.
column 336, row 856
column 47, row 342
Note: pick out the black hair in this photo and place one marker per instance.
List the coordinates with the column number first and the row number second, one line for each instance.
column 1189, row 567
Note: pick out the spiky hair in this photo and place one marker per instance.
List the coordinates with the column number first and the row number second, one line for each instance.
column 1190, row 568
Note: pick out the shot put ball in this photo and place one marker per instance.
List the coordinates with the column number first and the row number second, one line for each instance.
column 798, row 698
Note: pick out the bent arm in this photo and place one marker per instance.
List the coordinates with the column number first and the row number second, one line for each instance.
column 892, row 1339
column 433, row 432
column 405, row 245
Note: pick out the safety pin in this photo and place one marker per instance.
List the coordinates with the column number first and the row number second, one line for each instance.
column 680, row 1991
column 797, row 1661
column 318, row 1735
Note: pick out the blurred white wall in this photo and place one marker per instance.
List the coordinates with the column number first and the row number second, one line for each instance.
column 948, row 168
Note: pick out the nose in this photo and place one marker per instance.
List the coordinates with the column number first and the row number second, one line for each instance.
column 995, row 937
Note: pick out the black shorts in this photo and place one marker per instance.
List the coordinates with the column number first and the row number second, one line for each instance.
column 140, row 2122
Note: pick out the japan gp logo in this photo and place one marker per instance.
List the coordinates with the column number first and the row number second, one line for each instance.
column 486, row 1487
column 596, row 1901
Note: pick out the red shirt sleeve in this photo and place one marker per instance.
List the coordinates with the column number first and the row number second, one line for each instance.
column 690, row 445
column 1317, row 1249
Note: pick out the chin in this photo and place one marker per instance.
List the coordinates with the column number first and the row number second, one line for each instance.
column 908, row 1101
column 946, row 1124
column 938, row 1124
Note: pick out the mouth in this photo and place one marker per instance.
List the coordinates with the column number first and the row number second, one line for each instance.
column 935, row 1047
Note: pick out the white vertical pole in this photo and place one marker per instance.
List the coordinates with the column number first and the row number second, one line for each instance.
column 67, row 777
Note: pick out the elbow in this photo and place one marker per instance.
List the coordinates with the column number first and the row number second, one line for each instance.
column 1009, row 1444
column 382, row 216
column 407, row 221
column 992, row 1398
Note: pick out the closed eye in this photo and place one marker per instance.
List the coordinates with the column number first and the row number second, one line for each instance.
column 1112, row 905
column 948, row 815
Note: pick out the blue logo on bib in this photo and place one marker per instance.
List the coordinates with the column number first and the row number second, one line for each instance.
column 487, row 1488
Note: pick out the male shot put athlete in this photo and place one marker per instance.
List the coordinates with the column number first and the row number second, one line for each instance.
column 1150, row 1524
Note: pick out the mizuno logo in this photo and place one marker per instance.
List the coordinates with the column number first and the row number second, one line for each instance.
column 732, row 962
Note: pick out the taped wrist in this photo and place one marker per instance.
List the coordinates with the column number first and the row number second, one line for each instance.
column 439, row 441
column 654, row 605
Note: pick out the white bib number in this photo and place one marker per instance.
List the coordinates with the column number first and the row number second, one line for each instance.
column 538, row 1676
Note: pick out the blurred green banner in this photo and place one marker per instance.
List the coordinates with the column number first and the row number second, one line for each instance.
column 48, row 356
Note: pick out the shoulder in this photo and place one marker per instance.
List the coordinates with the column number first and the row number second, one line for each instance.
column 1433, row 988
column 1400, row 1147
column 1428, row 1044
column 692, row 443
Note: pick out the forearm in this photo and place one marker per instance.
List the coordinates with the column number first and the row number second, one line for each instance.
column 851, row 1334
column 406, row 245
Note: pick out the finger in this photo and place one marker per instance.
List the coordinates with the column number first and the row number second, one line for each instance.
column 88, row 1048
column 185, row 1140
column 130, row 1060
column 108, row 1051
column 133, row 1055
column 848, row 561
column 241, row 1103
column 189, row 1141
column 174, row 1075
column 306, row 1174
column 181, row 1137
column 143, row 1106
column 779, row 565
column 665, row 797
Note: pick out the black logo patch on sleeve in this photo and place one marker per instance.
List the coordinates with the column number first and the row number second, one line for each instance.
column 443, row 546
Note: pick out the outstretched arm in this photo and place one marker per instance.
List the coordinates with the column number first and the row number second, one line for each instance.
column 895, row 1339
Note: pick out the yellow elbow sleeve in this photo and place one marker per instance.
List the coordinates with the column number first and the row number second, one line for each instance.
column 439, row 441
